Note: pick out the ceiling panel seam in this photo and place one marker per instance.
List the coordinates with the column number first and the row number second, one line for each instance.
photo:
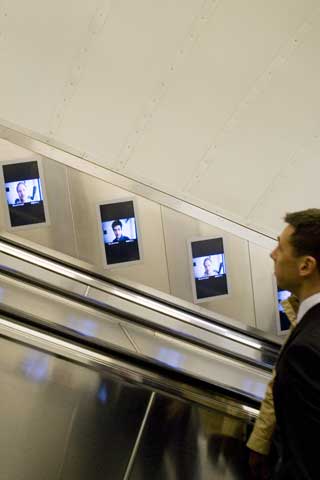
column 256, row 89
column 143, row 121
column 4, row 22
column 312, row 139
column 76, row 161
column 95, row 27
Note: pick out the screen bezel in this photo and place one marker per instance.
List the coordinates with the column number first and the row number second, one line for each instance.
column 101, row 240
column 193, row 280
column 277, row 313
column 44, row 194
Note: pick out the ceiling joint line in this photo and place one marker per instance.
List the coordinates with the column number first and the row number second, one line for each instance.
column 144, row 118
column 257, row 87
column 95, row 26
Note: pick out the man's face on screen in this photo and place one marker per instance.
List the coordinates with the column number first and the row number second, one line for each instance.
column 22, row 192
column 117, row 231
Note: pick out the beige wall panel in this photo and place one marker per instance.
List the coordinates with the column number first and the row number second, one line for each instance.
column 236, row 45
column 262, row 142
column 178, row 229
column 264, row 294
column 296, row 188
column 39, row 41
column 86, row 192
column 123, row 73
column 59, row 235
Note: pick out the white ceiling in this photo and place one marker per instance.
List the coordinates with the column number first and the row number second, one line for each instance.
column 213, row 101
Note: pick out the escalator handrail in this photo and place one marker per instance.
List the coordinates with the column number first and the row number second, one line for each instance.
column 179, row 385
column 95, row 281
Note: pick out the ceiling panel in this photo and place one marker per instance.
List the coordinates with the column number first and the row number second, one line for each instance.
column 38, row 42
column 124, row 73
column 296, row 188
column 264, row 138
column 212, row 101
column 237, row 44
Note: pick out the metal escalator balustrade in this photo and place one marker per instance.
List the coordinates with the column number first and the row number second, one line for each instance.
column 71, row 411
column 42, row 308
column 210, row 332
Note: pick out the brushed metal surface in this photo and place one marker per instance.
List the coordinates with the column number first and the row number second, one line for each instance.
column 197, row 362
column 183, row 307
column 155, row 313
column 62, row 421
column 187, row 442
column 124, row 370
column 52, row 309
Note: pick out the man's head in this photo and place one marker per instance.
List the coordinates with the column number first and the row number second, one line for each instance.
column 117, row 229
column 297, row 255
column 22, row 192
column 207, row 263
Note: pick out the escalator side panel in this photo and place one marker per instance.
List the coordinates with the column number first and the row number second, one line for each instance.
column 184, row 441
column 60, row 420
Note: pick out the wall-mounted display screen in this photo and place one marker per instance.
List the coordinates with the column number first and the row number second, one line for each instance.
column 208, row 268
column 24, row 193
column 283, row 322
column 119, row 227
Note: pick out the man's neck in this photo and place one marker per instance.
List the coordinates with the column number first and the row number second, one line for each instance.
column 307, row 291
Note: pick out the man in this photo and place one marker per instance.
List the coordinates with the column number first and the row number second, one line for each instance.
column 296, row 388
column 260, row 439
column 117, row 230
column 22, row 193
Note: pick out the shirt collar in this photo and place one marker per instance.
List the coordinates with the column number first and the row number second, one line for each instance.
column 307, row 304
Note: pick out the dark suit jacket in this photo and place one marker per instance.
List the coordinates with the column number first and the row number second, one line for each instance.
column 296, row 394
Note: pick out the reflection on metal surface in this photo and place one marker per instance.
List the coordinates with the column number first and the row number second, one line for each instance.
column 103, row 287
column 170, row 357
column 70, row 317
column 182, row 441
column 90, row 423
column 61, row 430
column 36, row 366
column 128, row 372
column 141, row 432
column 142, row 310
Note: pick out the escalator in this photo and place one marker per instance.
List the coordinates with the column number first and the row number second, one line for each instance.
column 102, row 380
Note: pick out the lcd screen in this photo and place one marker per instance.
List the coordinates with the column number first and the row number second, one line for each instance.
column 284, row 322
column 119, row 232
column 24, row 195
column 209, row 275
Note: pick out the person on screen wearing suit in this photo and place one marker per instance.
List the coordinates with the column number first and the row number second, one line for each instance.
column 296, row 387
column 117, row 230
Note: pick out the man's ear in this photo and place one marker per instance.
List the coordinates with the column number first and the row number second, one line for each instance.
column 308, row 265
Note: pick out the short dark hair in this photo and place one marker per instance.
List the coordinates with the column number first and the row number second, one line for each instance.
column 116, row 223
column 20, row 183
column 204, row 261
column 306, row 236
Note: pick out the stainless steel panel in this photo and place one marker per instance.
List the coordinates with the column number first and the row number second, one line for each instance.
column 199, row 317
column 185, row 325
column 55, row 310
column 187, row 442
column 199, row 363
column 124, row 370
column 157, row 348
column 60, row 420
column 13, row 264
